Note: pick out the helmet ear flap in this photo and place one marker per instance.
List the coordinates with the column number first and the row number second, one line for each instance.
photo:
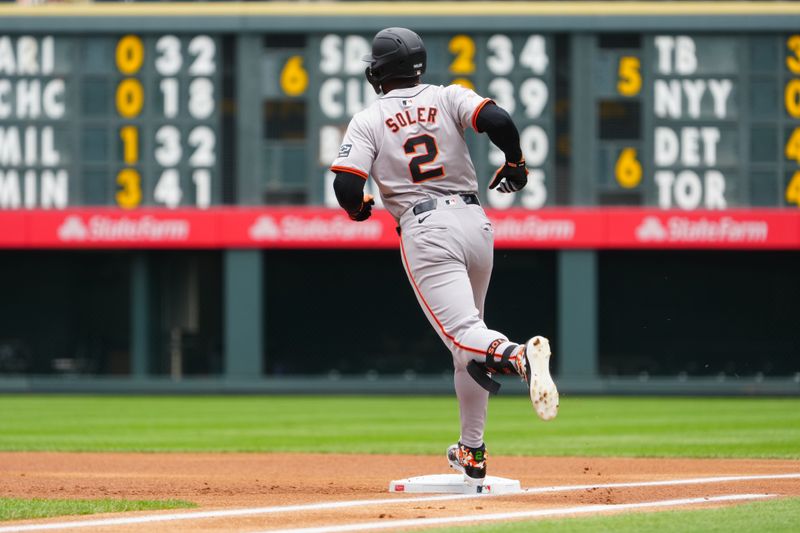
column 376, row 85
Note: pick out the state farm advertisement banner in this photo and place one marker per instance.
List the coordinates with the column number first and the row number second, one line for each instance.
column 193, row 228
column 305, row 228
column 301, row 227
column 746, row 229
column 547, row 228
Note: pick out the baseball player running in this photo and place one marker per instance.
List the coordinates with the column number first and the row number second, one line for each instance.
column 411, row 141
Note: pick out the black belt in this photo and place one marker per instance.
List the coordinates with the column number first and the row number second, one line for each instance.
column 430, row 205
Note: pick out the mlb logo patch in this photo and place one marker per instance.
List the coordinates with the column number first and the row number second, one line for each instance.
column 407, row 103
column 344, row 150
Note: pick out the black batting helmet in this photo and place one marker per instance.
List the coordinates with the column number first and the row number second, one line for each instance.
column 396, row 53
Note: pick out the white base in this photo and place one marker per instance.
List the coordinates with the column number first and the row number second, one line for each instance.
column 454, row 484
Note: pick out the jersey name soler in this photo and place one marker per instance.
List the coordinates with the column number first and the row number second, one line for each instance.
column 410, row 117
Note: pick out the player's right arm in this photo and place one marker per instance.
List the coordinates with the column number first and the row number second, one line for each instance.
column 352, row 168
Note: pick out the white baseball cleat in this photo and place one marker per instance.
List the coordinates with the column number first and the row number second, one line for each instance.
column 544, row 394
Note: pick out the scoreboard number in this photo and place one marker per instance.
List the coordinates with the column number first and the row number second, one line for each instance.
column 628, row 169
column 294, row 78
column 502, row 91
column 793, row 61
column 630, row 76
column 534, row 95
column 169, row 90
column 202, row 183
column 791, row 98
column 201, row 98
column 130, row 54
column 534, row 54
column 130, row 194
column 203, row 140
column 463, row 47
column 130, row 144
column 168, row 55
column 168, row 151
column 501, row 59
column 203, row 49
column 168, row 189
column 792, row 149
column 793, row 189
column 130, row 97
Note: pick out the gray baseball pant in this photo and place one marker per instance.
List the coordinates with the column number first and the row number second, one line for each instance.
column 448, row 254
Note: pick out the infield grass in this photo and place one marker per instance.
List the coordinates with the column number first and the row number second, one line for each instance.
column 586, row 426
column 775, row 516
column 22, row 509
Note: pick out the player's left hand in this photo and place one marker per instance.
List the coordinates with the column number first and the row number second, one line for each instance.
column 365, row 211
column 511, row 177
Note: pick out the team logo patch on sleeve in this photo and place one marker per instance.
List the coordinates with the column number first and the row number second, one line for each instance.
column 344, row 150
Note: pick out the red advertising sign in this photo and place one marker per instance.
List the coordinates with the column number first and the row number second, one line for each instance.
column 308, row 227
column 745, row 229
column 548, row 228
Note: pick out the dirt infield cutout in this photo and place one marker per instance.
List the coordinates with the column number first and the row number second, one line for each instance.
column 260, row 492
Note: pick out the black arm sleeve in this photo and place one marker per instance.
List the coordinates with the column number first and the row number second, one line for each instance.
column 497, row 124
column 349, row 189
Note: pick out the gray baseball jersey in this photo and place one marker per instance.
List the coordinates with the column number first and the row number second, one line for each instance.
column 411, row 142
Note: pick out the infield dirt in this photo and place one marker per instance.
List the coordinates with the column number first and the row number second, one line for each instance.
column 231, row 480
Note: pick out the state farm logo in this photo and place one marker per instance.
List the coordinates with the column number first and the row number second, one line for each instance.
column 73, row 229
column 534, row 228
column 651, row 230
column 110, row 229
column 264, row 229
column 682, row 229
column 314, row 228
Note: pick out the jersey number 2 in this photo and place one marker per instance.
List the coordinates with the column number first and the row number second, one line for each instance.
column 430, row 154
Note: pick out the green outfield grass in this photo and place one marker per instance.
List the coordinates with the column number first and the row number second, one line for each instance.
column 22, row 509
column 775, row 516
column 586, row 426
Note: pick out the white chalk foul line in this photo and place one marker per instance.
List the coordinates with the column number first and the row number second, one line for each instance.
column 199, row 515
column 540, row 513
column 661, row 483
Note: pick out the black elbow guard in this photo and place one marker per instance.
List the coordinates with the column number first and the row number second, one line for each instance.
column 498, row 125
column 349, row 190
column 492, row 117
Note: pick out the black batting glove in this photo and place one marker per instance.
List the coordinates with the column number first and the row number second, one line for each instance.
column 511, row 177
column 364, row 211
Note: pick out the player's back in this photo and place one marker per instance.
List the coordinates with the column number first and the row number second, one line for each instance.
column 419, row 147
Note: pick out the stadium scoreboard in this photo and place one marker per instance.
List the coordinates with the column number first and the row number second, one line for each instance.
column 697, row 121
column 673, row 120
column 125, row 120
